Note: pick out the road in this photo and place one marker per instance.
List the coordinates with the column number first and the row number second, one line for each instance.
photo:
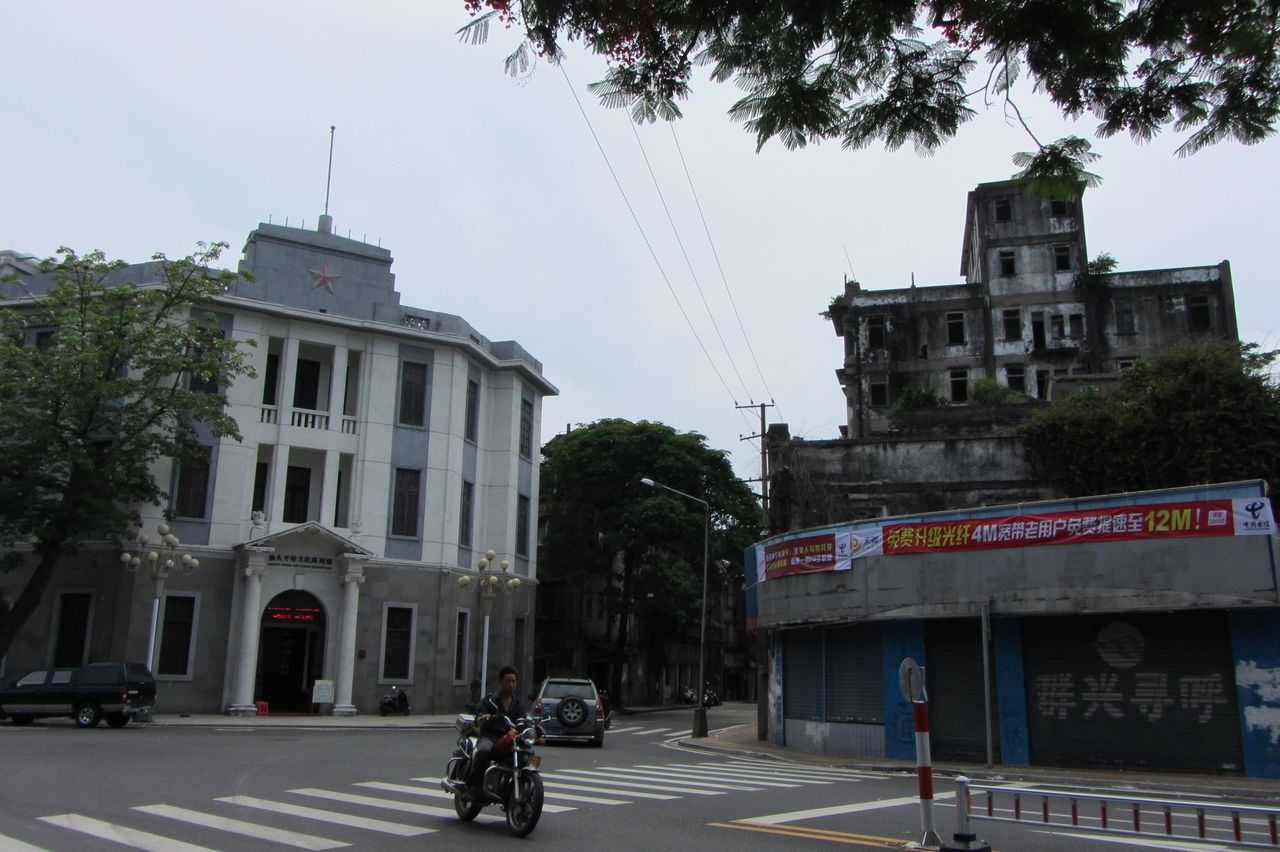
column 236, row 788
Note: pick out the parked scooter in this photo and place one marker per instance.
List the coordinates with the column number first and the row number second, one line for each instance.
column 512, row 780
column 395, row 701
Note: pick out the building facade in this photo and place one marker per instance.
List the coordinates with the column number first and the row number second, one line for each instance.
column 384, row 450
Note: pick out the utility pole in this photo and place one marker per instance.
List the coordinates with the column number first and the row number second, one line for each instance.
column 764, row 463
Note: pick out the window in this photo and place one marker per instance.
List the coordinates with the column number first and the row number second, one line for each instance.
column 1004, row 210
column 1037, row 329
column 397, row 641
column 71, row 640
column 1059, row 207
column 472, row 428
column 44, row 339
column 1062, row 258
column 1198, row 318
column 1016, row 377
column 1125, row 320
column 1042, row 384
column 306, row 385
column 297, row 495
column 1058, row 325
column 1076, row 325
column 460, row 646
column 260, row 475
column 193, row 486
column 271, row 379
column 1012, row 324
column 955, row 328
column 876, row 328
column 465, row 512
column 879, row 391
column 1007, row 265
column 526, row 428
column 413, row 394
column 1125, row 363
column 522, row 526
column 960, row 385
column 176, row 634
column 404, row 511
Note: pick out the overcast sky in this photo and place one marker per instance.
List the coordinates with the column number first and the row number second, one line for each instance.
column 144, row 126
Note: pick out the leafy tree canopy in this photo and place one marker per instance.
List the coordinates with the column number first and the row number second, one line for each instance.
column 908, row 71
column 1200, row 413
column 99, row 379
column 643, row 545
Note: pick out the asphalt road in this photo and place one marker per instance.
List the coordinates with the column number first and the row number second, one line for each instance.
column 237, row 788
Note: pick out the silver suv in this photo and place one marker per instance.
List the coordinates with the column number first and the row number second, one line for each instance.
column 571, row 709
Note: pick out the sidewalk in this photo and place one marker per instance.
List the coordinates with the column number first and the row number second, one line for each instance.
column 742, row 741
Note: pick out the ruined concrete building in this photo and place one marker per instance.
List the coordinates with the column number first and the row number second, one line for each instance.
column 1031, row 316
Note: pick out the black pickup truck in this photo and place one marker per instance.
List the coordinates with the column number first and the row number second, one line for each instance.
column 112, row 691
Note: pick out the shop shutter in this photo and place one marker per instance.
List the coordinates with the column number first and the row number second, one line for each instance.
column 802, row 674
column 1145, row 690
column 854, row 674
column 953, row 677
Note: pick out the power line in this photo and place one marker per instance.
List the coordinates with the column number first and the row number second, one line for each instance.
column 643, row 235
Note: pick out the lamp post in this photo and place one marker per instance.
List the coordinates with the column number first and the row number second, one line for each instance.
column 160, row 560
column 488, row 583
column 699, row 714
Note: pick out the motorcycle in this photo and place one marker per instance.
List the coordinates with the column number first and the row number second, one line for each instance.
column 606, row 704
column 395, row 701
column 709, row 697
column 512, row 780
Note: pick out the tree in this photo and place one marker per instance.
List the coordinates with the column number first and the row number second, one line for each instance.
column 1200, row 413
column 604, row 525
column 100, row 378
column 899, row 71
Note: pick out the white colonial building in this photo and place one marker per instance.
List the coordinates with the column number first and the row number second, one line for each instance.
column 384, row 449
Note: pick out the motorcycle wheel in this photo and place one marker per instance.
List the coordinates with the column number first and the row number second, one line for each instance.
column 523, row 816
column 465, row 807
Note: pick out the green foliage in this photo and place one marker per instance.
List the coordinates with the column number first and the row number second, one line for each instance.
column 1200, row 413
column 991, row 392
column 603, row 523
column 917, row 397
column 862, row 71
column 1103, row 264
column 94, row 388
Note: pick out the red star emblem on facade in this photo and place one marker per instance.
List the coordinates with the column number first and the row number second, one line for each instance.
column 324, row 278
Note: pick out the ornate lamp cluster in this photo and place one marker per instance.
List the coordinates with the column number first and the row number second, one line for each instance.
column 161, row 558
column 491, row 577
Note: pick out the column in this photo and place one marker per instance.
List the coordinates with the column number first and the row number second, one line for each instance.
column 347, row 639
column 329, row 488
column 337, row 387
column 250, row 615
column 288, row 377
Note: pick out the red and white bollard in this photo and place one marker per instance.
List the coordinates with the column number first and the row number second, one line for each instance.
column 924, row 772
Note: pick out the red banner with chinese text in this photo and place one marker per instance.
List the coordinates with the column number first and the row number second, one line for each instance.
column 1251, row 516
column 800, row 556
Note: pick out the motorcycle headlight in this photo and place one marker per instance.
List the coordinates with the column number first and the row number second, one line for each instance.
column 529, row 736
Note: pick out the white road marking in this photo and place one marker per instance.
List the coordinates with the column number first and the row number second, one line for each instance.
column 548, row 782
column 606, row 779
column 122, row 835
column 441, row 794
column 758, row 774
column 717, row 776
column 383, row 826
column 647, row 731
column 624, row 730
column 836, row 810
column 679, row 734
column 249, row 829
column 386, row 804
column 663, row 775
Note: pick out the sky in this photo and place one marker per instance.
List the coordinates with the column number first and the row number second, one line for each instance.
column 146, row 126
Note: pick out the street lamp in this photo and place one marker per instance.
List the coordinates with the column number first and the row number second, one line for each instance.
column 700, row 714
column 160, row 560
column 488, row 583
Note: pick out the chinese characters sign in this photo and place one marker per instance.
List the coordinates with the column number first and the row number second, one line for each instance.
column 826, row 552
column 1119, row 523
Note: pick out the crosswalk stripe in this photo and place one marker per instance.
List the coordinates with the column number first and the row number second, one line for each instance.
column 120, row 834
column 607, row 779
column 12, row 844
column 385, row 804
column 549, row 782
column 755, row 775
column 824, row 771
column 249, row 829
column 663, row 775
column 641, row 733
column 707, row 775
column 797, row 772
column 679, row 734
column 441, row 794
column 625, row 730
column 383, row 826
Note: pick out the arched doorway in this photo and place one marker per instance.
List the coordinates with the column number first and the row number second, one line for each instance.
column 291, row 651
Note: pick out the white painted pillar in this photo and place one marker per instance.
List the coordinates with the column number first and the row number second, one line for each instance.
column 278, row 474
column 288, row 378
column 337, row 387
column 329, row 488
column 250, row 618
column 351, row 581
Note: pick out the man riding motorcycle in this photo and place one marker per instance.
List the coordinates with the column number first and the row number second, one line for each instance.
column 494, row 719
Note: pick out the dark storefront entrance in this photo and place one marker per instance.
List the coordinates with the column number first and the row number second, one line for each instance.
column 291, row 651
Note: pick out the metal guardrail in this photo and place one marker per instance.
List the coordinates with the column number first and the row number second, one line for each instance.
column 1145, row 816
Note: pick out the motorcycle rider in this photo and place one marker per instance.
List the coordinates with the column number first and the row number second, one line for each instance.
column 494, row 718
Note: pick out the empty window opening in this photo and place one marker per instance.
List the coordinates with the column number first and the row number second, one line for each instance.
column 1007, row 265
column 876, row 328
column 1058, row 326
column 1076, row 325
column 1012, row 324
column 1198, row 318
column 1004, row 210
column 1125, row 323
column 1062, row 258
column 959, row 385
column 1059, row 207
column 955, row 328
column 879, row 392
